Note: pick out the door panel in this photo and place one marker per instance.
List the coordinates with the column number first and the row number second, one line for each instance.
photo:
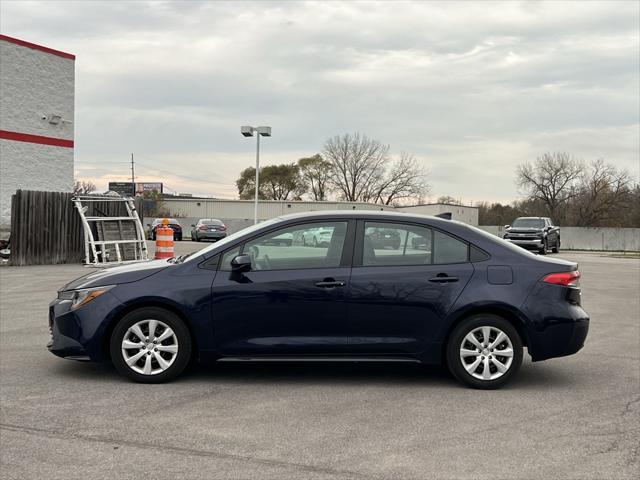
column 405, row 279
column 280, row 312
column 293, row 301
column 398, row 309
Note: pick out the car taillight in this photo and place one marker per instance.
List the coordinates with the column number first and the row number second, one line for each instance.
column 223, row 228
column 567, row 279
column 202, row 228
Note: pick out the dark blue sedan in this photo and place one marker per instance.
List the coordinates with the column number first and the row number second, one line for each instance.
column 447, row 293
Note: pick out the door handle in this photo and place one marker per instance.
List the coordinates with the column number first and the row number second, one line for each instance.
column 330, row 284
column 443, row 278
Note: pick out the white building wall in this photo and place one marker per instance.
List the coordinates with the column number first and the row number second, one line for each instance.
column 243, row 209
column 238, row 214
column 34, row 84
column 461, row 213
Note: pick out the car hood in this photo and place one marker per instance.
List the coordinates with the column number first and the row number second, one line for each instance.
column 116, row 275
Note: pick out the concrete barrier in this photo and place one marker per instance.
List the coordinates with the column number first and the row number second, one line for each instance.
column 584, row 238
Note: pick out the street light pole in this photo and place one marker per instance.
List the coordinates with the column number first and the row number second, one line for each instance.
column 248, row 131
column 255, row 199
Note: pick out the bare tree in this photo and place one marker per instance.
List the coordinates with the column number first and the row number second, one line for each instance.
column 551, row 179
column 449, row 200
column 603, row 194
column 357, row 165
column 82, row 187
column 361, row 170
column 406, row 178
column 315, row 173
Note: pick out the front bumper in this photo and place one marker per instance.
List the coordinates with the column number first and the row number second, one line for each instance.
column 533, row 244
column 77, row 334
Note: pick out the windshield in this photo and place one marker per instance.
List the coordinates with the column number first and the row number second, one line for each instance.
column 528, row 223
column 231, row 238
column 211, row 222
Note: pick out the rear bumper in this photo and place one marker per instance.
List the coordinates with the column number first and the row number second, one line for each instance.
column 212, row 235
column 559, row 340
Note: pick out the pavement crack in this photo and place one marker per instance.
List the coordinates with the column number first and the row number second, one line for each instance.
column 186, row 451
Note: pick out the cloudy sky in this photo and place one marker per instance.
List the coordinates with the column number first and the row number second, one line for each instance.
column 471, row 89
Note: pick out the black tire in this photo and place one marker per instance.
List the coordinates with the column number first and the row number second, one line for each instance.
column 174, row 322
column 545, row 247
column 556, row 247
column 454, row 362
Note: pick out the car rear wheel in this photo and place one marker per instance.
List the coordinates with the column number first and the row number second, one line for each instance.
column 484, row 352
column 150, row 345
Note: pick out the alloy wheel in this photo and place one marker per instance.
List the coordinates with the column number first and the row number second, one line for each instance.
column 149, row 347
column 486, row 353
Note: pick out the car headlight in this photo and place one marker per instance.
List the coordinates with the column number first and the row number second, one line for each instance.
column 83, row 296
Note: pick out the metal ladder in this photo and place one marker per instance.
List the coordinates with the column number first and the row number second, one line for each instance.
column 96, row 252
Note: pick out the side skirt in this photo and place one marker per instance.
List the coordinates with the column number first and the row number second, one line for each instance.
column 318, row 359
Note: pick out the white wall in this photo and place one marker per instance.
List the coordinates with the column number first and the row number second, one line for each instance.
column 461, row 213
column 243, row 209
column 34, row 83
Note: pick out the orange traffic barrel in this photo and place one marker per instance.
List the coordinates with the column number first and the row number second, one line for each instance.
column 164, row 240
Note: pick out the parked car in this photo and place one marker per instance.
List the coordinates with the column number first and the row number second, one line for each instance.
column 316, row 237
column 471, row 301
column 536, row 233
column 285, row 239
column 208, row 229
column 173, row 225
column 384, row 238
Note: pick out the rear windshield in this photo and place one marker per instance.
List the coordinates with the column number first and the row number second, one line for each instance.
column 528, row 223
column 211, row 222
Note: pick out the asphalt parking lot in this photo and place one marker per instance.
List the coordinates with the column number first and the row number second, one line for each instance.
column 570, row 418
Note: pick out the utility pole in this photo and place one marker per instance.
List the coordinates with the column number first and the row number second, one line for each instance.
column 133, row 179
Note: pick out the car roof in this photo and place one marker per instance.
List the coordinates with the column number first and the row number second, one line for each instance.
column 531, row 218
column 370, row 214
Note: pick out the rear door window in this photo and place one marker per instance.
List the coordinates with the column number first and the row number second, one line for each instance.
column 396, row 244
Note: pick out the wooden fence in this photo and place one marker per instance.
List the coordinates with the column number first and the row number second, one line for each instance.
column 46, row 228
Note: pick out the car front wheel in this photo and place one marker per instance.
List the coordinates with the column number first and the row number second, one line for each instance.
column 545, row 247
column 150, row 345
column 556, row 248
column 484, row 352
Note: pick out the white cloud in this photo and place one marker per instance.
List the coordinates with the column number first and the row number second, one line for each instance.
column 471, row 88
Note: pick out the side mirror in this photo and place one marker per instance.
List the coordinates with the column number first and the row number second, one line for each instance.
column 241, row 263
column 148, row 225
column 506, row 226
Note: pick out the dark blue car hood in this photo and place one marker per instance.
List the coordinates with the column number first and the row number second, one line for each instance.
column 116, row 275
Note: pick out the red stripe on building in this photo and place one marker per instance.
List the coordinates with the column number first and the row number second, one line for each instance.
column 25, row 137
column 37, row 47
